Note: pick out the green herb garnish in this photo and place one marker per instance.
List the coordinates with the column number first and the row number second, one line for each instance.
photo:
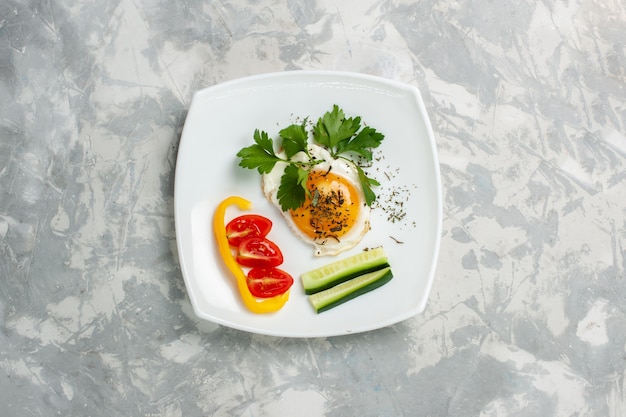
column 343, row 138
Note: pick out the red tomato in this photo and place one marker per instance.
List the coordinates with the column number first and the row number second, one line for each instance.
column 248, row 225
column 258, row 251
column 268, row 282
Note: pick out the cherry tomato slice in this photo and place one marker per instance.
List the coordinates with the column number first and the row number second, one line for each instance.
column 248, row 225
column 269, row 282
column 258, row 251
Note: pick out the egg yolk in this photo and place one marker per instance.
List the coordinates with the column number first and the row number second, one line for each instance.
column 330, row 209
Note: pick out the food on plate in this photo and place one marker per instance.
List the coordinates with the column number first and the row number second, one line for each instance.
column 247, row 234
column 268, row 281
column 247, row 225
column 346, row 279
column 334, row 216
column 252, row 303
column 348, row 290
column 321, row 187
column 334, row 273
column 258, row 252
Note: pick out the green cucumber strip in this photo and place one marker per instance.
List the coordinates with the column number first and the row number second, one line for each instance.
column 343, row 270
column 346, row 291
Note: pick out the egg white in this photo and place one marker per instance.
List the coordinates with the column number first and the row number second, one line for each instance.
column 271, row 181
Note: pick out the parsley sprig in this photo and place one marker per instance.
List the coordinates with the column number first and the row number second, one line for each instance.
column 343, row 137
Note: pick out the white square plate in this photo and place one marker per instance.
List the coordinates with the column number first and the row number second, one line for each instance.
column 222, row 120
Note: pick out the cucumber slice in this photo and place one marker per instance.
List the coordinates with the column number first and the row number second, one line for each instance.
column 339, row 294
column 343, row 270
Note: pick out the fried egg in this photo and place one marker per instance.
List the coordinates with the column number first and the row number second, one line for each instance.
column 335, row 216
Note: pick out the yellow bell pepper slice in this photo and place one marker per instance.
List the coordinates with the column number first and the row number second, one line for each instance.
column 255, row 305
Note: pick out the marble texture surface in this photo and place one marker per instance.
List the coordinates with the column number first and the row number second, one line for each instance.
column 527, row 316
